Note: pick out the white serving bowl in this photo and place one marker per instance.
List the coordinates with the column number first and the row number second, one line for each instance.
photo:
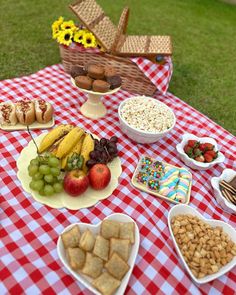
column 191, row 162
column 228, row 229
column 227, row 175
column 95, row 229
column 138, row 135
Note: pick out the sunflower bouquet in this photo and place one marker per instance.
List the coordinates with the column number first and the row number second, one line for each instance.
column 66, row 32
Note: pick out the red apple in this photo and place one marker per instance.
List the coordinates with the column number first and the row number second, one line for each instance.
column 99, row 176
column 75, row 182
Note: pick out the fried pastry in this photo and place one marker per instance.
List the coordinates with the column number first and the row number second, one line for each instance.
column 116, row 266
column 93, row 266
column 87, row 241
column 71, row 238
column 101, row 248
column 106, row 284
column 110, row 229
column 121, row 247
column 76, row 257
column 127, row 231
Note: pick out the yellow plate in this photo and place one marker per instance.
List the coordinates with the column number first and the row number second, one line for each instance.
column 35, row 125
column 63, row 200
column 145, row 189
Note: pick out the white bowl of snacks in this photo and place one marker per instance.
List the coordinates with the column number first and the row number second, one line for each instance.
column 224, row 188
column 145, row 119
column 199, row 153
column 207, row 247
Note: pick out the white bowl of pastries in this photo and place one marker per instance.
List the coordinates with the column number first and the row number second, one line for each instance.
column 145, row 119
column 224, row 188
column 101, row 256
column 207, row 247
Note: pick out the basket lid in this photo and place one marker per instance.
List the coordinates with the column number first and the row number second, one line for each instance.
column 93, row 17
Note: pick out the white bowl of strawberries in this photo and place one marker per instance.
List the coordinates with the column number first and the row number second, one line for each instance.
column 199, row 153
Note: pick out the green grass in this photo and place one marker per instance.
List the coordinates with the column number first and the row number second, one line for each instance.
column 203, row 35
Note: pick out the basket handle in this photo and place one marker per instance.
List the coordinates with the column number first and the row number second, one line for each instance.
column 121, row 29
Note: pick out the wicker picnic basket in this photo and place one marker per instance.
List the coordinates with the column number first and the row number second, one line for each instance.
column 118, row 47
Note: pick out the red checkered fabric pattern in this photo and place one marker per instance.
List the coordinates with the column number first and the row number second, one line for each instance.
column 159, row 74
column 29, row 231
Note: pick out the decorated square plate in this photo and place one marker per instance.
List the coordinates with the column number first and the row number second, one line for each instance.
column 171, row 183
column 33, row 126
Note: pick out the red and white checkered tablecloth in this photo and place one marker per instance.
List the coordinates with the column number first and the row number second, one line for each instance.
column 29, row 230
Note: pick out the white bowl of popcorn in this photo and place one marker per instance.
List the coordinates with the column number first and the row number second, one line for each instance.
column 145, row 119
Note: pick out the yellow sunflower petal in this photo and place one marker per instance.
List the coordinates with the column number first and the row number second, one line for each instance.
column 65, row 37
column 78, row 36
column 68, row 25
column 89, row 40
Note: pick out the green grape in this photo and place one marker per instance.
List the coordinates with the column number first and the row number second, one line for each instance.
column 39, row 184
column 55, row 171
column 48, row 190
column 44, row 169
column 41, row 192
column 34, row 162
column 37, row 176
column 32, row 185
column 57, row 187
column 55, row 179
column 53, row 162
column 49, row 178
column 33, row 169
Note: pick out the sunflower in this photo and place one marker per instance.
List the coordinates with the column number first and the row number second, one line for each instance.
column 56, row 27
column 99, row 46
column 65, row 37
column 89, row 40
column 78, row 36
column 68, row 25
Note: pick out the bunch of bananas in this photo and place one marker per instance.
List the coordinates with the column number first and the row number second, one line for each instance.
column 64, row 141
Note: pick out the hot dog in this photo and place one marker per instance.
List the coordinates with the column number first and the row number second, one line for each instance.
column 25, row 112
column 8, row 113
column 43, row 111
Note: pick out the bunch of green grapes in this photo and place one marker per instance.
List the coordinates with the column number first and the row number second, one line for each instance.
column 45, row 172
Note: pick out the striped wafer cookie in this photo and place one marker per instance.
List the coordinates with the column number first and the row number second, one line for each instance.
column 231, row 198
column 225, row 185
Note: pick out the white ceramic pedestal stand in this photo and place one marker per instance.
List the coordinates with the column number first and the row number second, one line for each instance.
column 93, row 108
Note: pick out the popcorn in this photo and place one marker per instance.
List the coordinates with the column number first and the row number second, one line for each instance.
column 147, row 115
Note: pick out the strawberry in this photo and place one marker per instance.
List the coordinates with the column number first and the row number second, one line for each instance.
column 202, row 147
column 200, row 159
column 209, row 146
column 193, row 143
column 187, row 149
column 208, row 158
column 213, row 154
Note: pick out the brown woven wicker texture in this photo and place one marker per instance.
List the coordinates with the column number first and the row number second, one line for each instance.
column 133, row 79
column 93, row 17
column 113, row 39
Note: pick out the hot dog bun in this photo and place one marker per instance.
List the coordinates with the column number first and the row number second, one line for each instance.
column 25, row 112
column 8, row 113
column 43, row 111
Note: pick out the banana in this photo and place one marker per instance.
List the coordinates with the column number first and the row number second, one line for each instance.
column 87, row 147
column 53, row 136
column 76, row 149
column 69, row 142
